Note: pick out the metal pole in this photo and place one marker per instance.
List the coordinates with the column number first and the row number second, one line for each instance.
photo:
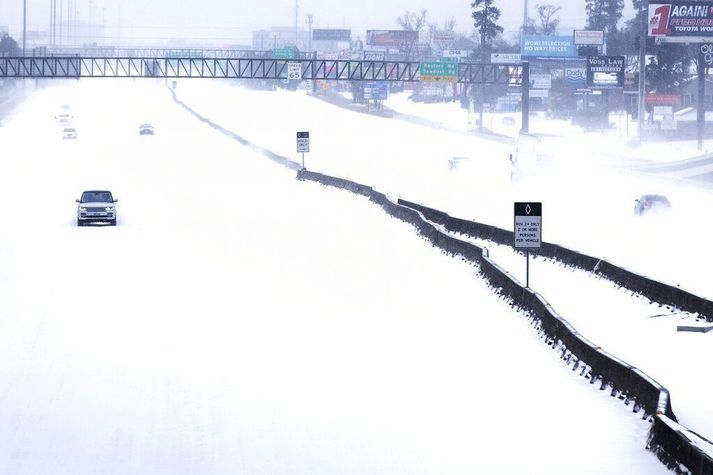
column 24, row 26
column 642, row 65
column 701, row 106
column 309, row 40
column 525, row 17
column 525, row 97
column 303, row 160
column 296, row 27
column 527, row 269
column 61, row 16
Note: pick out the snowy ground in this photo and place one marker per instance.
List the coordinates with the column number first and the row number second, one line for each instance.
column 588, row 195
column 239, row 321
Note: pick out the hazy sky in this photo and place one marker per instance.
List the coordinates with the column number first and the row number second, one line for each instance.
column 231, row 22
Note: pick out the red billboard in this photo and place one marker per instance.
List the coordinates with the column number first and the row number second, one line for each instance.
column 392, row 38
column 663, row 99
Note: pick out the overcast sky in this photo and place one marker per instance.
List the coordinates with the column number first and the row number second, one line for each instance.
column 232, row 21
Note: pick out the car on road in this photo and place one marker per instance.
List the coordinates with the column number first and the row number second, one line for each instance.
column 69, row 133
column 63, row 118
column 146, row 129
column 96, row 206
column 651, row 204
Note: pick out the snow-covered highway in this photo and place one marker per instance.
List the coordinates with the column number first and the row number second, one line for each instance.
column 239, row 321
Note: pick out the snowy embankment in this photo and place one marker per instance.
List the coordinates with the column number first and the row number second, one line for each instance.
column 588, row 200
column 237, row 320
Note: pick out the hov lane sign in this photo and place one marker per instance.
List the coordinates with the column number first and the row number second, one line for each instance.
column 302, row 142
column 528, row 225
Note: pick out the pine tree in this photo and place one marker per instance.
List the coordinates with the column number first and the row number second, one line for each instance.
column 604, row 15
column 486, row 17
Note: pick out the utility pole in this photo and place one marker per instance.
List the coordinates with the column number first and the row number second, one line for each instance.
column 51, row 38
column 525, row 16
column 24, row 26
column 61, row 13
column 642, row 65
column 297, row 7
column 309, row 40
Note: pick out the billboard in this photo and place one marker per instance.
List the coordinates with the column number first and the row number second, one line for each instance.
column 680, row 21
column 394, row 38
column 331, row 35
column 540, row 81
column 538, row 46
column 589, row 37
column 605, row 72
column 575, row 77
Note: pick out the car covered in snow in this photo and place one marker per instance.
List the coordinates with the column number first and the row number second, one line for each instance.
column 96, row 206
column 651, row 204
column 146, row 129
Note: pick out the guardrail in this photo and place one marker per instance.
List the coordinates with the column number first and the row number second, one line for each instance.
column 673, row 444
column 653, row 290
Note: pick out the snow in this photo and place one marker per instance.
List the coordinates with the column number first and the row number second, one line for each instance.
column 239, row 321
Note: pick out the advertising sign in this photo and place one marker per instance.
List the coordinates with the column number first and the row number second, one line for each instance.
column 605, row 72
column 331, row 35
column 539, row 93
column 681, row 21
column 663, row 99
column 528, row 225
column 706, row 54
column 588, row 37
column 505, row 58
column 444, row 37
column 395, row 38
column 374, row 55
column 575, row 76
column 533, row 46
column 540, row 81
column 376, row 90
column 438, row 71
column 455, row 53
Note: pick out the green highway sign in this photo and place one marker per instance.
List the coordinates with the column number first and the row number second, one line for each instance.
column 438, row 71
column 283, row 53
column 449, row 59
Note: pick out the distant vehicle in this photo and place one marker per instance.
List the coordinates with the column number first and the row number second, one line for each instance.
column 69, row 133
column 96, row 206
column 651, row 204
column 146, row 129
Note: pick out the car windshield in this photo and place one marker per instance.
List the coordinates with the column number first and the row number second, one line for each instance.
column 97, row 196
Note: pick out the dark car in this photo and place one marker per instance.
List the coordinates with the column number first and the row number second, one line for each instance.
column 651, row 204
column 96, row 206
column 146, row 129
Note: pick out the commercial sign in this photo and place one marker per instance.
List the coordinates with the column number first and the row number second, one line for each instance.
column 588, row 37
column 539, row 93
column 663, row 99
column 575, row 76
column 395, row 38
column 376, row 90
column 302, row 142
column 331, row 35
column 438, row 71
column 540, row 81
column 374, row 55
column 680, row 21
column 528, row 225
column 505, row 58
column 605, row 72
column 533, row 46
column 444, row 37
column 455, row 53
column 706, row 54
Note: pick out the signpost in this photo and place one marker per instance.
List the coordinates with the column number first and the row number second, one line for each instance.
column 528, row 231
column 376, row 90
column 438, row 71
column 303, row 145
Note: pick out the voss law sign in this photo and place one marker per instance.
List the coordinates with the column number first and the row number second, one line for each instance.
column 682, row 21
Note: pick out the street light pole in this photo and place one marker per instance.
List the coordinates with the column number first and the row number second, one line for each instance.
column 642, row 65
column 309, row 40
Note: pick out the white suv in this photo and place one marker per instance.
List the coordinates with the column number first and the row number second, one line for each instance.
column 96, row 206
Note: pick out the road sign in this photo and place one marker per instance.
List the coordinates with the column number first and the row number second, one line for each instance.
column 294, row 71
column 438, row 71
column 302, row 142
column 283, row 53
column 376, row 90
column 528, row 225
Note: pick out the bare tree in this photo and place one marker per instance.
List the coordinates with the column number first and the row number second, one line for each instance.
column 412, row 21
column 546, row 17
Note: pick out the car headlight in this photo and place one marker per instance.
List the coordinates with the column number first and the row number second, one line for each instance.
column 82, row 208
column 109, row 208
